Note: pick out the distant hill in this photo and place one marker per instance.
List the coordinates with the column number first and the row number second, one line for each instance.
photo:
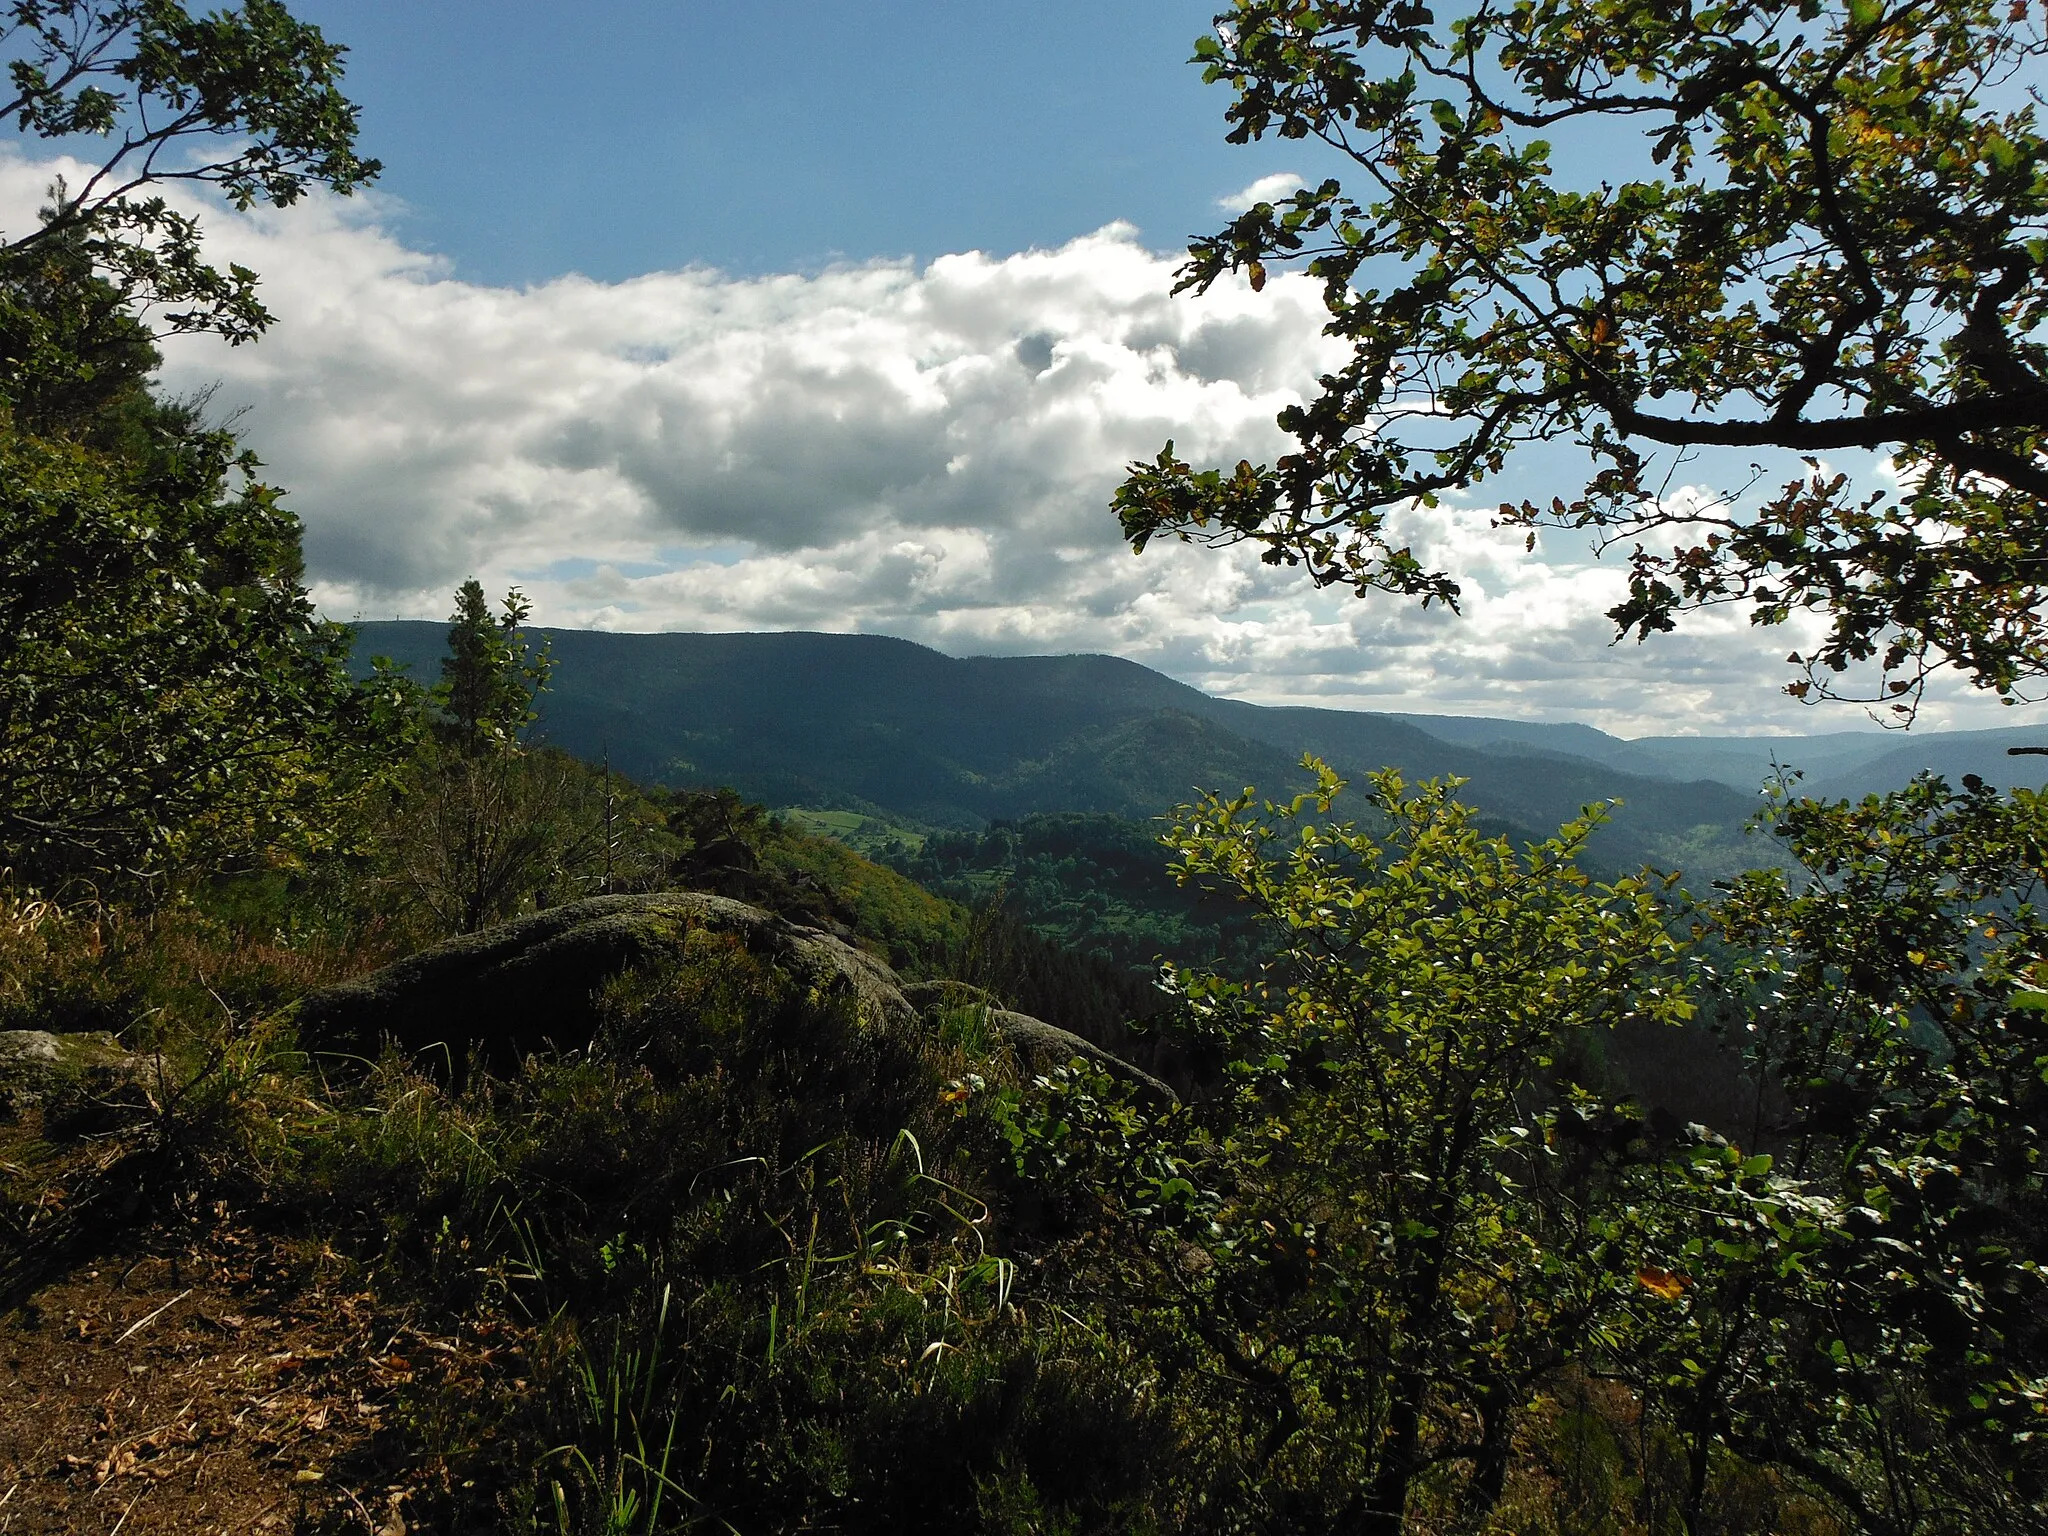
column 1951, row 754
column 1836, row 763
column 880, row 726
column 1847, row 764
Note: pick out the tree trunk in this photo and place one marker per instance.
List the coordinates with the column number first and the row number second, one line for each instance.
column 1382, row 1509
column 1700, row 1458
column 1490, row 1461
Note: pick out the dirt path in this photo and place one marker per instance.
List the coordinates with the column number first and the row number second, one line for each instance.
column 151, row 1396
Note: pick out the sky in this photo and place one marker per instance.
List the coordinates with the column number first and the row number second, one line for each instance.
column 849, row 317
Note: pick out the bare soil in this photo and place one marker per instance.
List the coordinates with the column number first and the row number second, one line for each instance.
column 232, row 1384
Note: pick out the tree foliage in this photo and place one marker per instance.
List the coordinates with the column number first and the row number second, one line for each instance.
column 484, row 826
column 476, row 839
column 1420, row 1209
column 1377, row 1243
column 75, row 361
column 167, row 696
column 1811, row 227
column 1870, row 1298
column 246, row 102
column 489, row 676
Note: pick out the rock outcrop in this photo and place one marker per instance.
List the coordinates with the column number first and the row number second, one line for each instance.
column 531, row 984
column 1040, row 1047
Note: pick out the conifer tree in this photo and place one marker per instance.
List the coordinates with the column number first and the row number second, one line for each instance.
column 489, row 677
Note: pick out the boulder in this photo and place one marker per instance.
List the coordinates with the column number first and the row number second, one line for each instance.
column 38, row 1067
column 1039, row 1047
column 29, row 1047
column 933, row 996
column 531, row 983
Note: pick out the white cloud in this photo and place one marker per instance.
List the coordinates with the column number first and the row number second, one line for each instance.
column 1267, row 189
column 925, row 451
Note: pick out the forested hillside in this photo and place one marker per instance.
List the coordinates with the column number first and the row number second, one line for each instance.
column 1096, row 885
column 868, row 723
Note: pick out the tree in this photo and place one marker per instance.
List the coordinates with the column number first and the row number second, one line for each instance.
column 477, row 838
column 75, row 361
column 486, row 825
column 1827, row 231
column 488, row 678
column 1418, row 1204
column 1364, row 1256
column 247, row 102
column 167, row 695
column 1863, row 1304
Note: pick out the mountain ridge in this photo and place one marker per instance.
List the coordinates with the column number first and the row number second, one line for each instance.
column 872, row 723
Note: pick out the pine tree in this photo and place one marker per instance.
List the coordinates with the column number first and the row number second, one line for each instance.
column 489, row 677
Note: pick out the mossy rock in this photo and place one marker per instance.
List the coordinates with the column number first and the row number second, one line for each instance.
column 39, row 1067
column 538, row 983
column 534, row 983
column 932, row 996
column 1036, row 1045
column 1040, row 1047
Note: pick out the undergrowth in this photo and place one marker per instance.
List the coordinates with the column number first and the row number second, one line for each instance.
column 750, row 1262
column 752, row 1281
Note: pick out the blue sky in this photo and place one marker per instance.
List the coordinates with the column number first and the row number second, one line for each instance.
column 615, row 137
column 850, row 317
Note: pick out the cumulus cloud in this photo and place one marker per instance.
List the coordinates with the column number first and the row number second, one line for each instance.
column 920, row 450
column 1267, row 189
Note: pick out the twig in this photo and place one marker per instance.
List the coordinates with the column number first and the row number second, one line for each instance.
column 116, row 1531
column 136, row 1328
column 369, row 1524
